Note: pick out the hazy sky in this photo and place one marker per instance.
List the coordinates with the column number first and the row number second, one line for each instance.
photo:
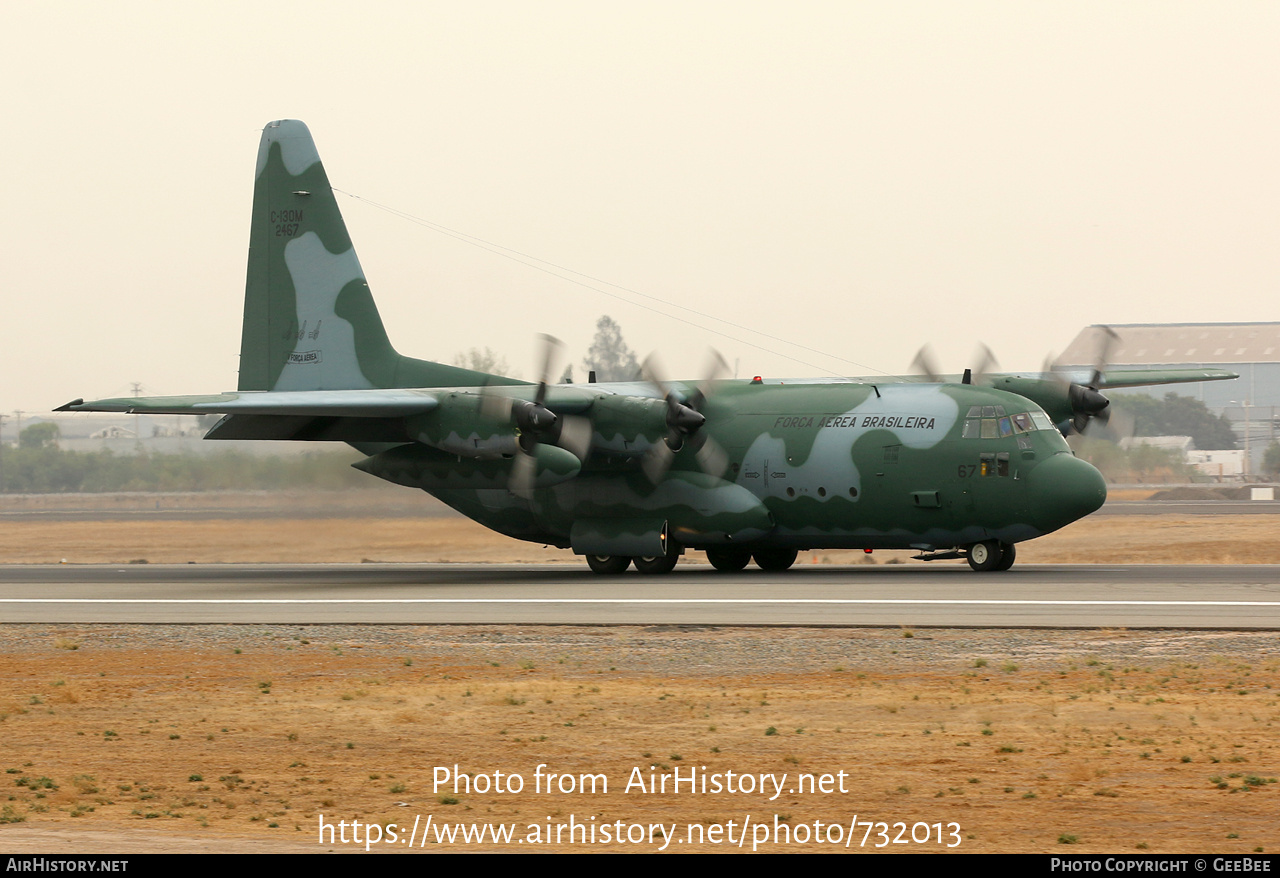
column 856, row 178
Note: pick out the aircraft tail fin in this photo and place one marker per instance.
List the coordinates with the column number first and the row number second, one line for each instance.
column 310, row 322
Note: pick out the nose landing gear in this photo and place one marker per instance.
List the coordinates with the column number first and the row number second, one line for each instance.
column 991, row 555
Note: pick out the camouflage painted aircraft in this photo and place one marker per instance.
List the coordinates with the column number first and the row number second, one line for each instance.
column 637, row 473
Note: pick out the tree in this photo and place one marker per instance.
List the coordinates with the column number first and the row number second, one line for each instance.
column 609, row 355
column 483, row 361
column 1271, row 460
column 42, row 435
column 1141, row 464
column 1177, row 416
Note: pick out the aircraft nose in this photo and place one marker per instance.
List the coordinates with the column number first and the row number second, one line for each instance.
column 1064, row 489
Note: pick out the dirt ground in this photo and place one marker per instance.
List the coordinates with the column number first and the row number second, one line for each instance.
column 120, row 739
column 237, row 738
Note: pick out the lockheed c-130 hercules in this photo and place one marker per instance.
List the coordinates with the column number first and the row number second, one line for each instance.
column 639, row 472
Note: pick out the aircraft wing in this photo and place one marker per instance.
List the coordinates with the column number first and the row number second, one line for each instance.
column 306, row 403
column 1112, row 378
column 1150, row 377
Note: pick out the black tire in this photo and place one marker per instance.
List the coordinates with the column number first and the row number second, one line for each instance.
column 1007, row 554
column 658, row 565
column 608, row 565
column 729, row 560
column 985, row 556
column 775, row 559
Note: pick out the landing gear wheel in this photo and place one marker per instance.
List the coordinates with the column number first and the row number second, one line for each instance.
column 729, row 560
column 1007, row 554
column 609, row 565
column 775, row 559
column 985, row 556
column 661, row 564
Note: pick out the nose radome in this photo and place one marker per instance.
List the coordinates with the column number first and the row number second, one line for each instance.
column 1064, row 489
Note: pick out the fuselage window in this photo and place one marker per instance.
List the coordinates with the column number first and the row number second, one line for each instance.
column 1042, row 422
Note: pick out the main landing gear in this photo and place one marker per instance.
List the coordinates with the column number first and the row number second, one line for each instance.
column 984, row 557
column 608, row 565
column 612, row 565
column 991, row 555
column 731, row 560
column 727, row 559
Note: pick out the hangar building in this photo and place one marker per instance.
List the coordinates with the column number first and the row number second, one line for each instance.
column 1251, row 402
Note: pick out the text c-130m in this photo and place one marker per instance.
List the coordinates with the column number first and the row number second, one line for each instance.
column 640, row 472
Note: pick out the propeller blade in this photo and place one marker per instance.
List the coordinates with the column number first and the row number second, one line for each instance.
column 986, row 361
column 716, row 369
column 713, row 459
column 1121, row 425
column 657, row 460
column 575, row 436
column 523, row 472
column 651, row 372
column 552, row 349
column 494, row 406
column 926, row 364
column 1050, row 368
column 1106, row 345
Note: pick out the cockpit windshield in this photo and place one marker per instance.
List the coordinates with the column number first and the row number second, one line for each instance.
column 992, row 422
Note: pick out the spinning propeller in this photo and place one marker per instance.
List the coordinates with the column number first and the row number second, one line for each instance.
column 926, row 364
column 684, row 422
column 537, row 426
column 1087, row 403
column 1075, row 404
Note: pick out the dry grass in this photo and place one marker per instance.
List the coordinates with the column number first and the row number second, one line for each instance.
column 221, row 744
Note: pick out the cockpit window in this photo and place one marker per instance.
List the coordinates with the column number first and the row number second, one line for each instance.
column 994, row 424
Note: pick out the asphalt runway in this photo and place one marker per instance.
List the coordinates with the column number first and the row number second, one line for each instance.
column 1222, row 597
